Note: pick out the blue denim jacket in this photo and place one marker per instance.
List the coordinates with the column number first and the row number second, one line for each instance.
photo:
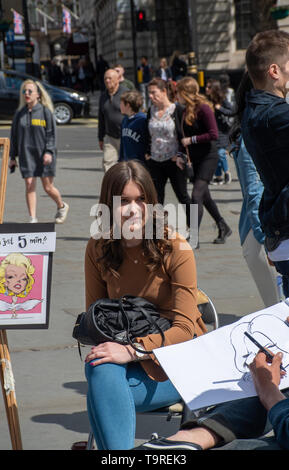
column 252, row 190
column 265, row 130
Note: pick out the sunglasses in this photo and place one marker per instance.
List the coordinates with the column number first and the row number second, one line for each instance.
column 27, row 91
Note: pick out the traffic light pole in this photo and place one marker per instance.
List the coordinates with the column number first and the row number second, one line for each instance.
column 28, row 47
column 133, row 32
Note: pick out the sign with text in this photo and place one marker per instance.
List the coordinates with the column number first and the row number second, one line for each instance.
column 25, row 274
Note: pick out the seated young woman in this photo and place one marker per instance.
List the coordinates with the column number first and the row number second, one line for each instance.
column 162, row 270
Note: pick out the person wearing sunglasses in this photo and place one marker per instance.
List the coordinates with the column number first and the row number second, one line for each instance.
column 33, row 141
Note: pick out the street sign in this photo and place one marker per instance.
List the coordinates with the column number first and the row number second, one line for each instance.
column 10, row 37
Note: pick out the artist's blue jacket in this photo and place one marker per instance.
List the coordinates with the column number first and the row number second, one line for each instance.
column 252, row 190
column 265, row 130
column 279, row 418
column 134, row 137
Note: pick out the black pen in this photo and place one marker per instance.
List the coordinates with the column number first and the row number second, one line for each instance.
column 267, row 353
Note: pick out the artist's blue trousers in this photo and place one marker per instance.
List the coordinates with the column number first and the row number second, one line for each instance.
column 115, row 394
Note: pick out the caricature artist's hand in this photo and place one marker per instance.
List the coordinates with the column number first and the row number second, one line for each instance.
column 47, row 158
column 110, row 352
column 147, row 156
column 266, row 378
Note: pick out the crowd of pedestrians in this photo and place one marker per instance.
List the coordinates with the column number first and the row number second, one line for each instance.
column 147, row 136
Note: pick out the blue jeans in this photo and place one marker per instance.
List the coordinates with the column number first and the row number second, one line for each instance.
column 222, row 162
column 283, row 268
column 115, row 393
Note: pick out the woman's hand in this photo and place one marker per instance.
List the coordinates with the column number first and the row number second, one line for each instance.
column 110, row 352
column 147, row 156
column 47, row 159
column 12, row 163
column 180, row 162
column 186, row 141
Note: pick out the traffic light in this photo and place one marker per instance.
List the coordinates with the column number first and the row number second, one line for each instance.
column 141, row 22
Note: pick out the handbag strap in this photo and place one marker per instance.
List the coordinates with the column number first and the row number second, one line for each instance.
column 150, row 320
column 183, row 132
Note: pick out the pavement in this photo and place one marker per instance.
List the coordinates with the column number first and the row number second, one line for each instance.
column 49, row 375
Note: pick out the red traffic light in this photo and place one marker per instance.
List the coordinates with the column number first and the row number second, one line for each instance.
column 140, row 15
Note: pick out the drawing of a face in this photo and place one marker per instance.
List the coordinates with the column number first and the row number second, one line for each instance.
column 266, row 333
column 16, row 278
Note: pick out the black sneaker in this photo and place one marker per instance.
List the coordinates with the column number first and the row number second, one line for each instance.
column 227, row 177
column 161, row 443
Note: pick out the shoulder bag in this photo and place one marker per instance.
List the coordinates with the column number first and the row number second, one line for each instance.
column 188, row 167
column 119, row 320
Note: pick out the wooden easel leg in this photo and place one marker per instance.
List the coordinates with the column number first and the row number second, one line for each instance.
column 6, row 374
column 8, row 389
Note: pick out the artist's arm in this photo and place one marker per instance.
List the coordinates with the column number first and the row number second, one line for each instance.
column 267, row 379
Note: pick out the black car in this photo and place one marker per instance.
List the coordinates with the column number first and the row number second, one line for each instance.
column 68, row 103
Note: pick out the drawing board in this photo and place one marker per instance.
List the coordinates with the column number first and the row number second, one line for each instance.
column 213, row 368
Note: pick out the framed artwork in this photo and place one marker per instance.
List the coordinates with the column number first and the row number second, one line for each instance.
column 26, row 252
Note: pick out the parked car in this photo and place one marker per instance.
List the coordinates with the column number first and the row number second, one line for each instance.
column 68, row 103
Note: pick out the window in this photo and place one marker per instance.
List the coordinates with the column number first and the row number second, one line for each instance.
column 243, row 13
column 12, row 81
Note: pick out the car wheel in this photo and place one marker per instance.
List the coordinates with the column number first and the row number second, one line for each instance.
column 63, row 113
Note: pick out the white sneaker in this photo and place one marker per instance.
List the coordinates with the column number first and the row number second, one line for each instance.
column 61, row 214
column 33, row 220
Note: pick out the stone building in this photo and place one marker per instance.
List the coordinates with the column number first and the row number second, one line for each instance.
column 218, row 31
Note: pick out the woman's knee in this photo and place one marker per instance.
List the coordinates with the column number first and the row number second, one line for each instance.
column 30, row 184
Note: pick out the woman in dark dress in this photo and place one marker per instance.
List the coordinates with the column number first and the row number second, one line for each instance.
column 198, row 132
column 33, row 141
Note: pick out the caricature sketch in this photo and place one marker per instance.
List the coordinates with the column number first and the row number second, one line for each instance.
column 265, row 329
column 16, row 282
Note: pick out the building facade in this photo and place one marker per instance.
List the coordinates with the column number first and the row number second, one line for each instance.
column 218, row 31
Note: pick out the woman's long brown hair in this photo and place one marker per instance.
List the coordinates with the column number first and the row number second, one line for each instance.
column 113, row 184
column 188, row 88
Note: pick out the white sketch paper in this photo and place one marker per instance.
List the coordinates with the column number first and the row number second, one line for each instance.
column 213, row 368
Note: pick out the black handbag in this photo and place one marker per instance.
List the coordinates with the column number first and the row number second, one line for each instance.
column 187, row 166
column 119, row 320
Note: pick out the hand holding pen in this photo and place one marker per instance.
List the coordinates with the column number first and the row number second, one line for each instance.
column 267, row 378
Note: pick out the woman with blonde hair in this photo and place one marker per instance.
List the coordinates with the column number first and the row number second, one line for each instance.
column 198, row 132
column 33, row 140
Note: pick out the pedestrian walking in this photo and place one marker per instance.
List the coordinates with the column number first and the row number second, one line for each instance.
column 178, row 66
column 163, row 144
column 162, row 270
column 146, row 76
column 198, row 133
column 134, row 131
column 122, row 79
column 33, row 141
column 223, row 113
column 164, row 71
column 110, row 119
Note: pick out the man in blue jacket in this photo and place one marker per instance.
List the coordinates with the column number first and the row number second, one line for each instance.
column 265, row 130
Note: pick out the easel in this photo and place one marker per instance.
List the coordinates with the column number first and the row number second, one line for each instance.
column 6, row 374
